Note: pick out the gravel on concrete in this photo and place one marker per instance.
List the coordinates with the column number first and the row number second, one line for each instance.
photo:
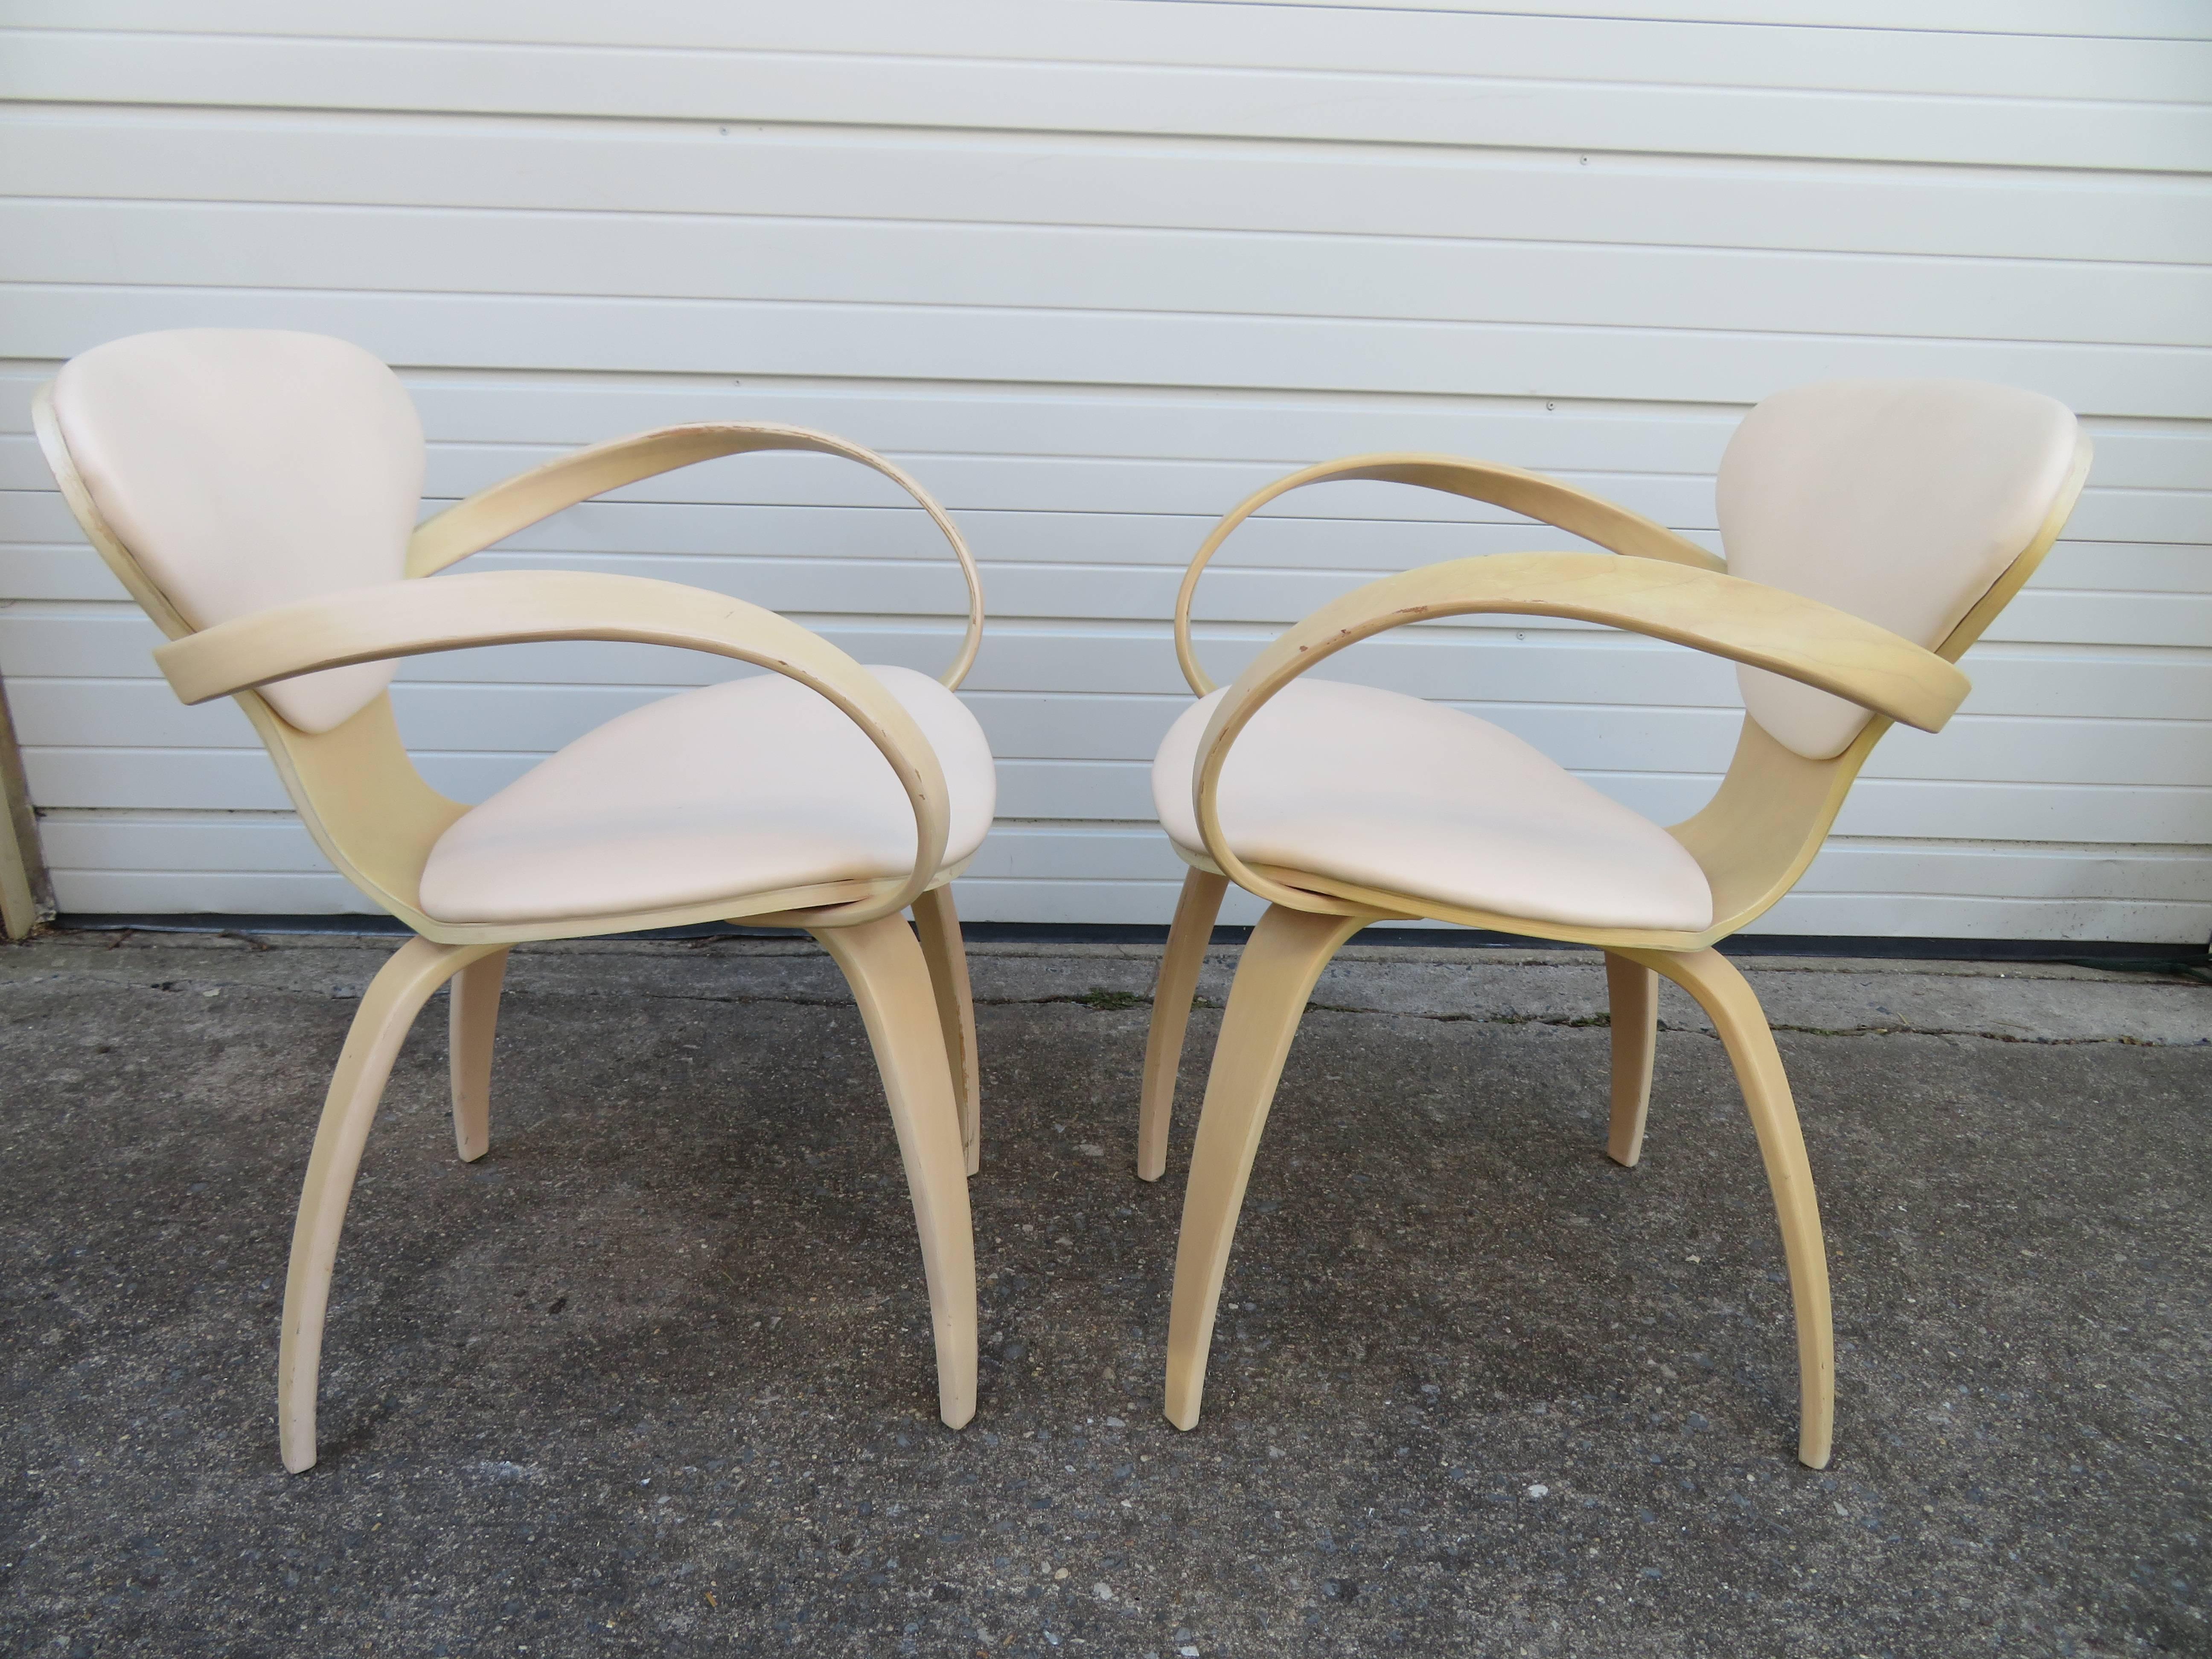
column 654, row 1378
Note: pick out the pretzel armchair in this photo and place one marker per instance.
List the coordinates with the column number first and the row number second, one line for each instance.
column 256, row 492
column 1875, row 528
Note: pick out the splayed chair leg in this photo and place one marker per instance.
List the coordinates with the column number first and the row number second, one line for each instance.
column 883, row 963
column 1722, row 991
column 1633, row 990
column 473, row 1022
column 1188, row 937
column 1287, row 951
column 394, row 997
column 938, row 925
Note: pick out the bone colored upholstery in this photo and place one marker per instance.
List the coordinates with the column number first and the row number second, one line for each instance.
column 1392, row 792
column 246, row 468
column 748, row 786
column 1900, row 501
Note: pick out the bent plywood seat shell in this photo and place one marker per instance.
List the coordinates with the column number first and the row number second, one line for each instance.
column 1873, row 530
column 256, row 492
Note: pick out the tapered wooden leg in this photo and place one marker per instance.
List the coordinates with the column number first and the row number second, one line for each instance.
column 890, row 981
column 1189, row 935
column 394, row 997
column 473, row 1020
column 1634, row 991
column 1276, row 975
column 1722, row 991
column 938, row 927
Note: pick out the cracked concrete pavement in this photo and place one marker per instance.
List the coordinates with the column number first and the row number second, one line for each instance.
column 654, row 1375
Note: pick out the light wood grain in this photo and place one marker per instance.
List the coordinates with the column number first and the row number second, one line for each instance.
column 473, row 1024
column 408, row 618
column 1274, row 976
column 1753, row 840
column 26, row 896
column 376, row 819
column 890, row 981
column 1721, row 990
column 1550, row 500
column 1770, row 628
column 394, row 997
column 515, row 503
column 937, row 924
column 1632, row 1005
column 1188, row 936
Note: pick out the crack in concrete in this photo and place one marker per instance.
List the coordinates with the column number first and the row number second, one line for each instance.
column 1606, row 1020
column 1100, row 1000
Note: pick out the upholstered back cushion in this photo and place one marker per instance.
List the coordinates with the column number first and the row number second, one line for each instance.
column 246, row 468
column 1901, row 500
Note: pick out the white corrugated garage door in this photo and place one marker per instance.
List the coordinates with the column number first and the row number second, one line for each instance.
column 1095, row 269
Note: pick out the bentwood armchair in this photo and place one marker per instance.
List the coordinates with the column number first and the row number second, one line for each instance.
column 1872, row 528
column 257, row 492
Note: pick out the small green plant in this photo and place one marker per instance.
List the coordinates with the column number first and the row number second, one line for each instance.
column 1099, row 997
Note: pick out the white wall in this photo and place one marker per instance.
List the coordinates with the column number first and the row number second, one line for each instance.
column 1094, row 268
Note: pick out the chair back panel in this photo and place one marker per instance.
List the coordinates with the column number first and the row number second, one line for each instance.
column 1900, row 500
column 246, row 468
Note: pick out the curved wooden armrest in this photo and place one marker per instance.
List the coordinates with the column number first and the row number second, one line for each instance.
column 1529, row 493
column 409, row 619
column 1768, row 627
column 490, row 516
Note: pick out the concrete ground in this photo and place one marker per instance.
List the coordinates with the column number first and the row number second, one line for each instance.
column 654, row 1376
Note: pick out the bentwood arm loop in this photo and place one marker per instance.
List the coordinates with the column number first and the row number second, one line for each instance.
column 409, row 619
column 1768, row 627
column 471, row 526
column 1529, row 493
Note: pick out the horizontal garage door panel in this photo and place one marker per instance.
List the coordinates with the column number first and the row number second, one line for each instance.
column 1499, row 195
column 630, row 256
column 1845, row 96
column 1093, row 272
column 1301, row 353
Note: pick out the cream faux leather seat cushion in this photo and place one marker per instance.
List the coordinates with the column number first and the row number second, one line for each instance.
column 1391, row 793
column 748, row 787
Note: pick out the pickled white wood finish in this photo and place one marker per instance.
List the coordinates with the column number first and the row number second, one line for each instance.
column 356, row 789
column 1092, row 272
